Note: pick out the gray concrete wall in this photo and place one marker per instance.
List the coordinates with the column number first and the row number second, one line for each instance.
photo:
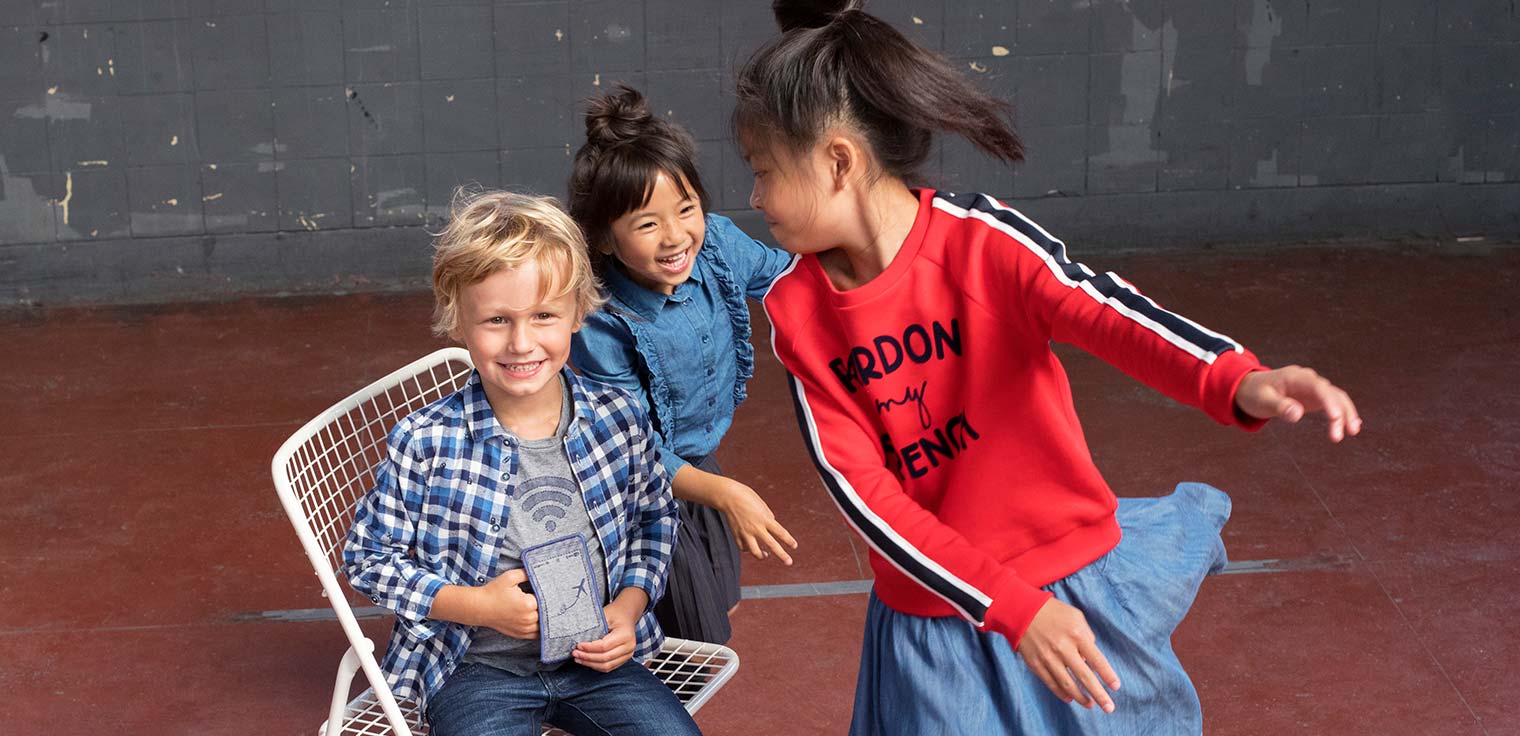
column 162, row 149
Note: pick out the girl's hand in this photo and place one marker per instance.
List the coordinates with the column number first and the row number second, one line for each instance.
column 1290, row 392
column 619, row 643
column 755, row 527
column 1059, row 645
column 508, row 609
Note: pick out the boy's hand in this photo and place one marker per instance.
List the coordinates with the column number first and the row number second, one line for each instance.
column 1290, row 392
column 755, row 527
column 1058, row 640
column 617, row 646
column 507, row 608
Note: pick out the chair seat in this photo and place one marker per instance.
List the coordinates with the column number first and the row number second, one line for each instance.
column 694, row 670
column 363, row 717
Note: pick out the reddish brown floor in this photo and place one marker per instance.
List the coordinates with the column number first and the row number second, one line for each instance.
column 140, row 524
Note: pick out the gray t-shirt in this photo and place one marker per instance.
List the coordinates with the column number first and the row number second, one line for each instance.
column 546, row 504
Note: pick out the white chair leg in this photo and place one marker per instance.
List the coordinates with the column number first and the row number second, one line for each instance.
column 345, row 681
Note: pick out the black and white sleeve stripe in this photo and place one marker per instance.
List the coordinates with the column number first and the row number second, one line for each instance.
column 1108, row 289
column 967, row 600
column 970, row 602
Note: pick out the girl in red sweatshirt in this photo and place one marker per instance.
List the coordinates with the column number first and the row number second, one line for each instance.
column 1012, row 587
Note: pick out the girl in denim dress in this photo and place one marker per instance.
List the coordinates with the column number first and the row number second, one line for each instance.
column 675, row 333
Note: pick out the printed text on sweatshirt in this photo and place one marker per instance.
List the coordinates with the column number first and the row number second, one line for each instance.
column 941, row 422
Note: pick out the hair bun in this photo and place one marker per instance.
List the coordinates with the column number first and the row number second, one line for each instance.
column 794, row 14
column 617, row 116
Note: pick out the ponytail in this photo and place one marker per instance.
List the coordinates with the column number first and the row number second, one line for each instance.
column 836, row 63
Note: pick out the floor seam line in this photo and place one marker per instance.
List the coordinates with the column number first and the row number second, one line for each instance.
column 1377, row 580
column 1428, row 653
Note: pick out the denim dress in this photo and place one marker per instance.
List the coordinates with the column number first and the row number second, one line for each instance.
column 688, row 357
column 923, row 675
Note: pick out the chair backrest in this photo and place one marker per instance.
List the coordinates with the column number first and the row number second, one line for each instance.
column 327, row 465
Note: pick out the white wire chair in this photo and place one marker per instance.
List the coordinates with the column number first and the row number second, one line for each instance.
column 328, row 464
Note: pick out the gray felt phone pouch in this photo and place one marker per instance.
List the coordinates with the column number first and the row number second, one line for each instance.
column 569, row 609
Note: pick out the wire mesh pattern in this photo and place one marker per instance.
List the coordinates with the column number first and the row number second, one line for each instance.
column 334, row 467
column 363, row 717
column 693, row 669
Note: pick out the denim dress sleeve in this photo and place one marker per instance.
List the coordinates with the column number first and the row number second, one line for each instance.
column 754, row 263
column 604, row 350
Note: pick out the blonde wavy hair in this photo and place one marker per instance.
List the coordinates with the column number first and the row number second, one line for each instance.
column 490, row 231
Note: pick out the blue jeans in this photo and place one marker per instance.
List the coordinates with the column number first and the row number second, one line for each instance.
column 480, row 700
column 941, row 676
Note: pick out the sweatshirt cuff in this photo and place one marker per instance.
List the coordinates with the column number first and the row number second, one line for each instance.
column 1221, row 383
column 1013, row 608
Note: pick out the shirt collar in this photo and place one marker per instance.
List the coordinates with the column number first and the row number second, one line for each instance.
column 481, row 422
column 645, row 302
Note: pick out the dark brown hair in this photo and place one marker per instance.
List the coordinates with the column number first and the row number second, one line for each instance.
column 834, row 62
column 626, row 148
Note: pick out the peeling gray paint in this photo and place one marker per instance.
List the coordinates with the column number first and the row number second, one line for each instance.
column 25, row 213
column 1265, row 25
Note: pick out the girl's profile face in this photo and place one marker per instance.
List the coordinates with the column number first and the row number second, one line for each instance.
column 658, row 242
column 790, row 192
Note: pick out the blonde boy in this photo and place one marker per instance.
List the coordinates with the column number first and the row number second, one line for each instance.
column 525, row 453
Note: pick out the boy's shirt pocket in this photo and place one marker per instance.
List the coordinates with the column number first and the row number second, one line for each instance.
column 466, row 514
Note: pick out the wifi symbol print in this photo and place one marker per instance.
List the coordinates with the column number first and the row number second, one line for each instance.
column 547, row 506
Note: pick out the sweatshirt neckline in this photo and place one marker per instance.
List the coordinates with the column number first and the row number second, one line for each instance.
column 901, row 263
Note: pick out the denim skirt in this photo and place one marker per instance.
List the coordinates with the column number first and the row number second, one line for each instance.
column 941, row 676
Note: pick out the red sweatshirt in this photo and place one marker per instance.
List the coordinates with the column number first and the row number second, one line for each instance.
column 941, row 422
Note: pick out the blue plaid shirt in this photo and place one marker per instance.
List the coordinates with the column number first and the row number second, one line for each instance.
column 438, row 510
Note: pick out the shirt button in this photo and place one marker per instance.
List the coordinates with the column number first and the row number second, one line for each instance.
column 711, row 402
column 709, row 371
column 480, row 578
column 704, row 339
column 495, row 527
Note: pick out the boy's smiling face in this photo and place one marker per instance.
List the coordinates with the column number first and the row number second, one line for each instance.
column 518, row 337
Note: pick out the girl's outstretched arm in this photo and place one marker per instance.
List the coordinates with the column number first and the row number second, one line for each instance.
column 1289, row 392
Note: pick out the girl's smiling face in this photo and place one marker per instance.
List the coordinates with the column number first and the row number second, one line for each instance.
column 658, row 242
